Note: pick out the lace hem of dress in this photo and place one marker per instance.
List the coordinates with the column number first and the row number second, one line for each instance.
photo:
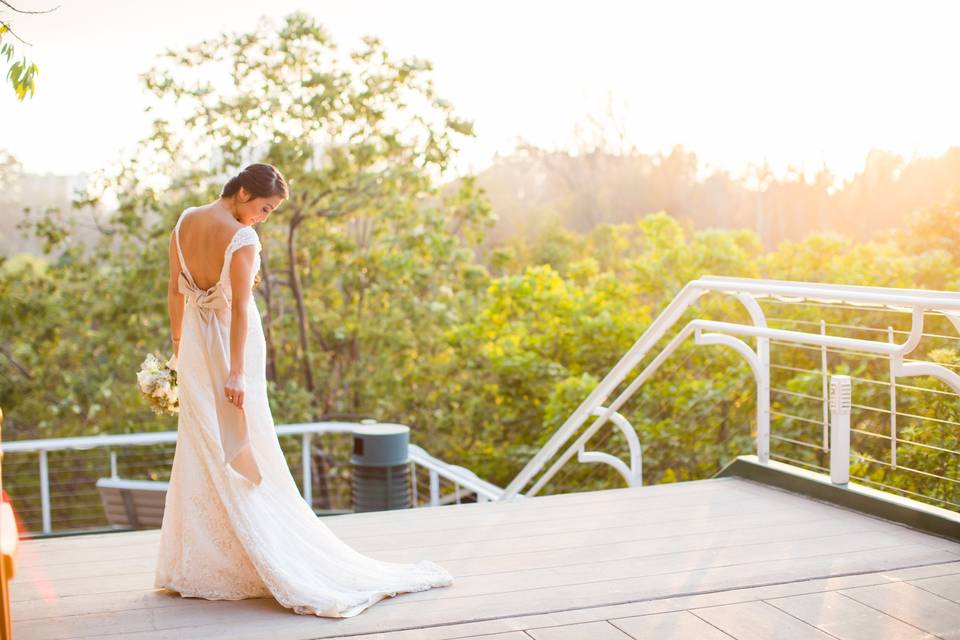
column 441, row 578
column 184, row 592
column 339, row 610
column 430, row 575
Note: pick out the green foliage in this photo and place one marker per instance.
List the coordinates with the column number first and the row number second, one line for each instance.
column 378, row 299
column 364, row 268
column 22, row 74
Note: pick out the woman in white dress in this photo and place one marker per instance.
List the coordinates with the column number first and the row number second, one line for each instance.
column 235, row 525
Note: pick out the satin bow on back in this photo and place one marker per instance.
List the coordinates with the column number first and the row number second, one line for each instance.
column 209, row 305
column 209, row 302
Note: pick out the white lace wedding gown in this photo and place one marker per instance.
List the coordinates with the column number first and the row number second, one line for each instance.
column 235, row 525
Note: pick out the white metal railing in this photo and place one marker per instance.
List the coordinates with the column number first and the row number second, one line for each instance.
column 463, row 480
column 749, row 292
column 890, row 345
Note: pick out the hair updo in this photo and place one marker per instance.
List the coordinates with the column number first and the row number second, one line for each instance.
column 260, row 180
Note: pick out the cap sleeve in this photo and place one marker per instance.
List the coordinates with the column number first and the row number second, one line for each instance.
column 243, row 237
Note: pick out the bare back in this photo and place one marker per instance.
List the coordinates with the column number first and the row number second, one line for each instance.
column 204, row 235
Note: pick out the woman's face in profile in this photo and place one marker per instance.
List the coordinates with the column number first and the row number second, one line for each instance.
column 252, row 211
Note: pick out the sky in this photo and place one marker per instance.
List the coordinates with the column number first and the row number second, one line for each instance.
column 802, row 83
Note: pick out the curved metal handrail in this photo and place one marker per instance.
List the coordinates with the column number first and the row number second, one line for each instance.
column 746, row 290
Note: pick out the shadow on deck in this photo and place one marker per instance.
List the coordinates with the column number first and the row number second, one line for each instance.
column 719, row 558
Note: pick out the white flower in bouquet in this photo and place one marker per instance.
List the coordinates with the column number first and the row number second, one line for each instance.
column 158, row 384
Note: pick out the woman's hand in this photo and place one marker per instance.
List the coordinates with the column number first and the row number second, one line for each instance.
column 234, row 388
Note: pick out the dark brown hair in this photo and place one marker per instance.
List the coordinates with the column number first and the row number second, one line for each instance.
column 260, row 180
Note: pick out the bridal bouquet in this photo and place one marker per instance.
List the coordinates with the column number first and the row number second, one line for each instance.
column 158, row 384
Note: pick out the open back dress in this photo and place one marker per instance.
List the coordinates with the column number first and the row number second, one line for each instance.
column 235, row 524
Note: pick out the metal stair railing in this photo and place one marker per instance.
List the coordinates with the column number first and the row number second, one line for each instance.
column 462, row 479
column 709, row 332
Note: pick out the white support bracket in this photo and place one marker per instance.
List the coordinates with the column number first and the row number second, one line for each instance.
column 633, row 475
column 761, row 374
column 950, row 378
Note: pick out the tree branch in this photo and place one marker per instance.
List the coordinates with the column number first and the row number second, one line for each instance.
column 5, row 350
column 13, row 8
column 12, row 32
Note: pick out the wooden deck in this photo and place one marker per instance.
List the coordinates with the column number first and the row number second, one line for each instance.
column 724, row 558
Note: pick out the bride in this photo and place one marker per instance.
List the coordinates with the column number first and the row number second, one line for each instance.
column 235, row 525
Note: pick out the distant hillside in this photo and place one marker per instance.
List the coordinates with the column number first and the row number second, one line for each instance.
column 533, row 187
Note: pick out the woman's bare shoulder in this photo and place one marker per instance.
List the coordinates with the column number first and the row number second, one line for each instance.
column 213, row 221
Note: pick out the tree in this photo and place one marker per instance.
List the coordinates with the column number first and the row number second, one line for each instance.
column 376, row 299
column 22, row 73
column 359, row 267
column 360, row 137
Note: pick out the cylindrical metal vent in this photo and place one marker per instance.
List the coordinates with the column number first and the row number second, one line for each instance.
column 381, row 467
column 841, row 395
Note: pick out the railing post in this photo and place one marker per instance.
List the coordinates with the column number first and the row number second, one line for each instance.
column 763, row 401
column 840, row 399
column 413, row 483
column 434, row 488
column 113, row 464
column 893, row 403
column 305, row 461
column 44, row 491
column 825, row 392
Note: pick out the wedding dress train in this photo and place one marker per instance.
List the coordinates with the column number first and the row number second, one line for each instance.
column 235, row 525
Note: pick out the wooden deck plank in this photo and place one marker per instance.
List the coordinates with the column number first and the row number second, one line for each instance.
column 105, row 562
column 287, row 626
column 98, row 563
column 419, row 518
column 625, row 499
column 653, row 607
column 662, row 521
column 125, row 623
column 398, row 613
column 618, row 524
column 927, row 571
column 677, row 625
column 510, row 635
column 914, row 606
column 847, row 619
column 490, row 538
column 452, row 545
column 657, row 606
column 592, row 570
column 944, row 586
column 446, row 522
column 599, row 630
column 147, row 599
column 569, row 549
column 517, row 566
column 635, row 500
column 759, row 621
column 665, row 582
column 573, row 565
column 526, row 542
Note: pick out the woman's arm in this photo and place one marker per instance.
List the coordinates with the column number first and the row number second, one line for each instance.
column 175, row 299
column 241, row 283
